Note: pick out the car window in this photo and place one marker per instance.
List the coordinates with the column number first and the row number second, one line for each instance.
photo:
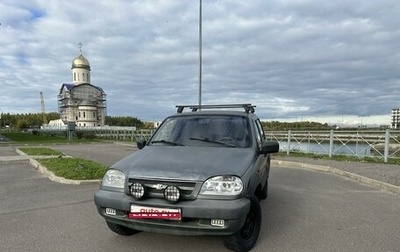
column 168, row 128
column 259, row 133
column 210, row 130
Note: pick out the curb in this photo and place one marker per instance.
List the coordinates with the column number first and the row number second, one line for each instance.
column 50, row 175
column 301, row 166
column 57, row 179
column 290, row 164
column 352, row 176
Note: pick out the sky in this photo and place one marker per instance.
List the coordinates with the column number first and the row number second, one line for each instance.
column 328, row 61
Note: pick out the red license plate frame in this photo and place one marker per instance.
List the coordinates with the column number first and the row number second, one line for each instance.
column 144, row 212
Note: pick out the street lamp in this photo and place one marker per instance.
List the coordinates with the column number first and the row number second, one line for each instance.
column 200, row 51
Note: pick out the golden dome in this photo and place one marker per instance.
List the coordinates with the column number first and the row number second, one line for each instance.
column 80, row 62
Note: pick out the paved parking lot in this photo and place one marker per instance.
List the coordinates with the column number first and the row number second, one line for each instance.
column 107, row 153
column 306, row 211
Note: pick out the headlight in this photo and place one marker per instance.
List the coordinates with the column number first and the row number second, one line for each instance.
column 114, row 178
column 222, row 185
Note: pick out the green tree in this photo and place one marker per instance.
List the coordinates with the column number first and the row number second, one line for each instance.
column 22, row 124
column 283, row 126
column 124, row 121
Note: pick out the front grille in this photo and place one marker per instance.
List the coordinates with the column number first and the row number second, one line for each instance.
column 155, row 188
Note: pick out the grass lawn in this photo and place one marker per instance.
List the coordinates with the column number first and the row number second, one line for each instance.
column 342, row 158
column 74, row 168
column 40, row 151
column 69, row 168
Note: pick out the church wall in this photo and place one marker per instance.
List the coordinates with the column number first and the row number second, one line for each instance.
column 80, row 75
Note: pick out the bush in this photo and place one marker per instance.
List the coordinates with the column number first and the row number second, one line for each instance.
column 85, row 135
column 79, row 134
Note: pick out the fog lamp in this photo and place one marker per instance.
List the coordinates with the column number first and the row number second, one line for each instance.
column 172, row 194
column 137, row 190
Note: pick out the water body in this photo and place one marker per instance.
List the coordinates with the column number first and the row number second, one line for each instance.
column 359, row 149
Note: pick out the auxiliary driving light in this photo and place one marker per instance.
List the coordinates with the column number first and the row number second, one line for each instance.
column 137, row 190
column 172, row 194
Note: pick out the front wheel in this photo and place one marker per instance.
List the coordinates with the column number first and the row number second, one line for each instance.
column 121, row 230
column 264, row 191
column 246, row 237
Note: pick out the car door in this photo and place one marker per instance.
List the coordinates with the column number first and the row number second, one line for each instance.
column 262, row 159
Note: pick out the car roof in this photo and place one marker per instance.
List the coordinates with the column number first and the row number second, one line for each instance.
column 244, row 110
column 247, row 107
column 213, row 112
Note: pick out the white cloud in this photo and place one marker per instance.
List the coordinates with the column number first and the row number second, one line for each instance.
column 293, row 59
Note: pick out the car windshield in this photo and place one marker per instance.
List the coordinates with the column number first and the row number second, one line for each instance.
column 210, row 130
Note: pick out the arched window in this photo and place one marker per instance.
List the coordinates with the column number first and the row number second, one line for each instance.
column 74, row 76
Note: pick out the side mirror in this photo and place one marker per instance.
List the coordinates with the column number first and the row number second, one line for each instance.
column 269, row 147
column 141, row 143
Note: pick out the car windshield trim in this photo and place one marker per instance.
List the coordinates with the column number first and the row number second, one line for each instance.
column 205, row 139
column 167, row 142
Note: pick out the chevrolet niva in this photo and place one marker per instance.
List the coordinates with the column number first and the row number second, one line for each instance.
column 203, row 172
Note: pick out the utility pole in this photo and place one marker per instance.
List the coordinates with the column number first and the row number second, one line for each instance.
column 43, row 109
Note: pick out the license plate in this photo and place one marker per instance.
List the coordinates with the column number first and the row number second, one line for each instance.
column 111, row 211
column 141, row 212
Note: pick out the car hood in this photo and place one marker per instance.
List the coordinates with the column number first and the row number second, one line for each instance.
column 185, row 163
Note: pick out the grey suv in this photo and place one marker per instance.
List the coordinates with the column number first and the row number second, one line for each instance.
column 203, row 172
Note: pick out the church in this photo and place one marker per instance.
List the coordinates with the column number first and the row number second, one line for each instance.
column 80, row 101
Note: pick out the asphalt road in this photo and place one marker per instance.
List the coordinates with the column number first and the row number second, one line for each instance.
column 305, row 211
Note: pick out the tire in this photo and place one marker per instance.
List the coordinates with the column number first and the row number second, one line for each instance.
column 121, row 230
column 247, row 236
column 264, row 191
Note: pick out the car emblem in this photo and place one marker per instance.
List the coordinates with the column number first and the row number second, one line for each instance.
column 158, row 186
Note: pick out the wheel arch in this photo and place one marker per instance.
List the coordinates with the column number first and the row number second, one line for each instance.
column 254, row 187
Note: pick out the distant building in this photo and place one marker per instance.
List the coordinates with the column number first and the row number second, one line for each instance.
column 80, row 101
column 395, row 119
column 57, row 123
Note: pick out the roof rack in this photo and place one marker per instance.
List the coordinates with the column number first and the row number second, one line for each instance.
column 248, row 108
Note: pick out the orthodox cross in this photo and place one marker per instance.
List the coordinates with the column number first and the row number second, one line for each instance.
column 80, row 47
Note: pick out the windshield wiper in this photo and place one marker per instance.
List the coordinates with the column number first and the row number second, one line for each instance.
column 167, row 142
column 205, row 139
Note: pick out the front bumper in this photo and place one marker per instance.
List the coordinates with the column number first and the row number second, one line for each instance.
column 196, row 214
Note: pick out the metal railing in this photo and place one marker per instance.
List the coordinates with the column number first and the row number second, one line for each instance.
column 116, row 133
column 383, row 144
